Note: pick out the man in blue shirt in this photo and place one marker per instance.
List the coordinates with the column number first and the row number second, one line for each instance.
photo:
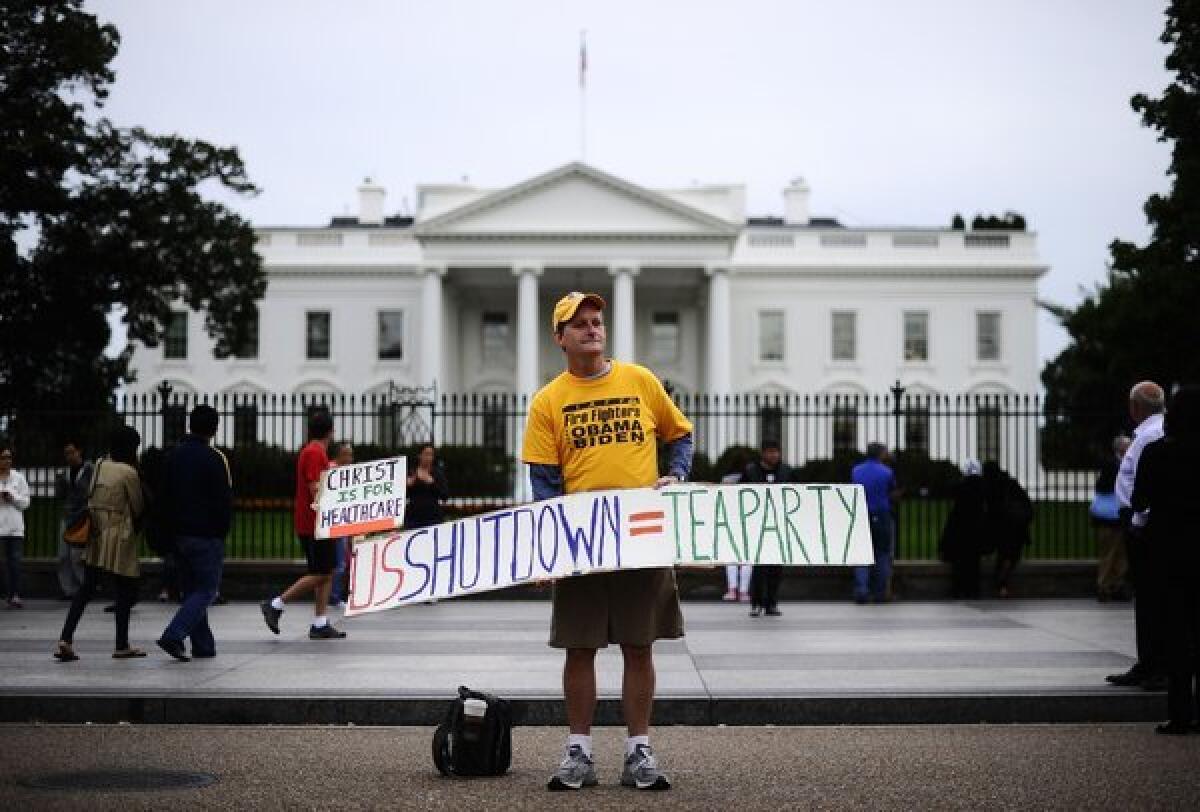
column 879, row 482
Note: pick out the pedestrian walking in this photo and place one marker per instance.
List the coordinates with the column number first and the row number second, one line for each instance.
column 737, row 576
column 14, row 501
column 198, row 498
column 631, row 608
column 1167, row 488
column 115, row 505
column 964, row 535
column 1105, row 511
column 1009, row 517
column 1147, row 402
column 879, row 483
column 426, row 489
column 319, row 554
column 71, row 487
column 769, row 468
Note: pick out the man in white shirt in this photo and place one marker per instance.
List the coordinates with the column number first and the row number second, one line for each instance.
column 1146, row 406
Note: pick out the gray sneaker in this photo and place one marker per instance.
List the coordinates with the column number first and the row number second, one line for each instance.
column 641, row 770
column 575, row 771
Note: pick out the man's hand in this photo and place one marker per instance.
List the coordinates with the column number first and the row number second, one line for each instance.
column 664, row 481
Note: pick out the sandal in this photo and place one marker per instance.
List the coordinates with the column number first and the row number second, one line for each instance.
column 128, row 653
column 64, row 653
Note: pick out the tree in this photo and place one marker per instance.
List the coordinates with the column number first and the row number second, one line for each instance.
column 95, row 218
column 1141, row 323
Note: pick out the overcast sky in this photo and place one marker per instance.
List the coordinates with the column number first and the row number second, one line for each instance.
column 897, row 113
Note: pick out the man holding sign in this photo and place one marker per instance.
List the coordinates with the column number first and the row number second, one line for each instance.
column 319, row 553
column 596, row 427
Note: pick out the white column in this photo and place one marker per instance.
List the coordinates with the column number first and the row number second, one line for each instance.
column 432, row 320
column 719, row 335
column 528, row 323
column 623, row 314
column 527, row 327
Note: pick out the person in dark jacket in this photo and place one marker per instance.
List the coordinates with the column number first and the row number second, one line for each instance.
column 427, row 489
column 198, row 498
column 1167, row 485
column 963, row 537
column 765, row 580
column 1009, row 516
column 71, row 486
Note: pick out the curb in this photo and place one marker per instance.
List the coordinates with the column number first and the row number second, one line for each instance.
column 886, row 709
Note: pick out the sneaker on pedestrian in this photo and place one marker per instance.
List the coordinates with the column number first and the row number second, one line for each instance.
column 326, row 632
column 773, row 611
column 743, row 597
column 174, row 648
column 271, row 615
column 731, row 595
column 641, row 770
column 575, row 771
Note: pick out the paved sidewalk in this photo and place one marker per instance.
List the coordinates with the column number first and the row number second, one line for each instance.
column 821, row 663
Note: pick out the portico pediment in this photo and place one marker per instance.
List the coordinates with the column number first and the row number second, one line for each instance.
column 575, row 201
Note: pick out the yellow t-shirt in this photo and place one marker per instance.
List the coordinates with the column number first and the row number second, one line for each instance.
column 602, row 431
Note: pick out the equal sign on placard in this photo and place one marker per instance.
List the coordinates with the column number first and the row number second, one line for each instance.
column 649, row 522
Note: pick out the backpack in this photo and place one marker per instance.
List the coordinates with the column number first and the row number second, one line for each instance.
column 463, row 746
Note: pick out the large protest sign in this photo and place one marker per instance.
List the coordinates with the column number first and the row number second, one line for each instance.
column 795, row 525
column 355, row 500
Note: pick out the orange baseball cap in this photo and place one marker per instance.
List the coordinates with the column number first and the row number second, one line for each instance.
column 567, row 305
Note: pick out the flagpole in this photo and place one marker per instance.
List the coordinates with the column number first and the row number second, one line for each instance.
column 583, row 96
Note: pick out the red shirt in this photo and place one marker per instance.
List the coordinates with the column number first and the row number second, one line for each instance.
column 312, row 462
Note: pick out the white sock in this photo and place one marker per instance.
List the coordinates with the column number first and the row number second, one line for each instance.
column 632, row 742
column 744, row 573
column 320, row 622
column 585, row 742
column 277, row 603
column 731, row 575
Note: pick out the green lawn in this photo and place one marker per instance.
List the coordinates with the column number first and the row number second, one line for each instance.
column 1060, row 531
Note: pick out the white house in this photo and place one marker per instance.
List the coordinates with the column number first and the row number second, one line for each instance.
column 460, row 295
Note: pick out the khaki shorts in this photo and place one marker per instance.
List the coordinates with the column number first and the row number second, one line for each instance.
column 627, row 607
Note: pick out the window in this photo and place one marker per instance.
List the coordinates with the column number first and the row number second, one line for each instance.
column 987, row 336
column 845, row 428
column 770, row 425
column 770, row 335
column 391, row 335
column 249, row 346
column 987, row 441
column 245, row 425
column 916, row 336
column 844, row 339
column 664, row 338
column 175, row 344
column 916, row 429
column 316, row 335
column 495, row 337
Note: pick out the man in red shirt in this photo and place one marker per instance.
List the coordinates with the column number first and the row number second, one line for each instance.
column 319, row 553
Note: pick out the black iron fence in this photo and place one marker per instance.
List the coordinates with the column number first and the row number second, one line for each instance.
column 478, row 438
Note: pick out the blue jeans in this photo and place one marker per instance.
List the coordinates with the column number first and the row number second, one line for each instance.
column 200, row 562
column 12, row 564
column 337, row 592
column 872, row 581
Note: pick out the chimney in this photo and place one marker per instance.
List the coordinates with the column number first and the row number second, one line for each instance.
column 370, row 203
column 795, row 203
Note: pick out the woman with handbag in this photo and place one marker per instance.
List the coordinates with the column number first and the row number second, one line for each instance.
column 115, row 504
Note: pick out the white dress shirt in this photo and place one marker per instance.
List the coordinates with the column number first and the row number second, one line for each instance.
column 1147, row 432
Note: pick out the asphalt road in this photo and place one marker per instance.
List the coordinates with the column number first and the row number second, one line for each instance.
column 737, row 768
